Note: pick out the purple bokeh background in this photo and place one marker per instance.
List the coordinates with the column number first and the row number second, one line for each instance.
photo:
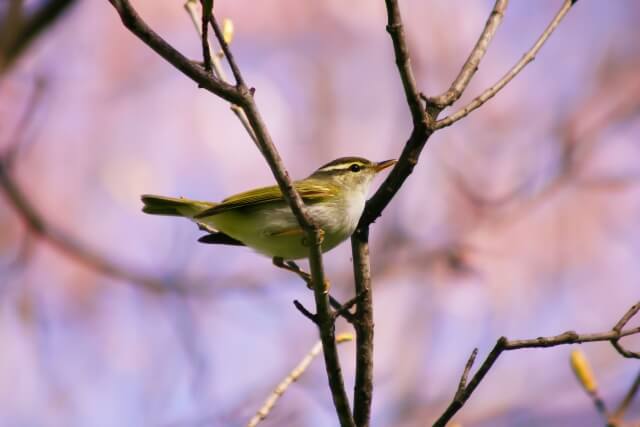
column 452, row 270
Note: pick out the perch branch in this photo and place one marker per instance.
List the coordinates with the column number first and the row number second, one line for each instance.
column 243, row 97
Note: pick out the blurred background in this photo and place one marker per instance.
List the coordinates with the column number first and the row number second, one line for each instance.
column 521, row 220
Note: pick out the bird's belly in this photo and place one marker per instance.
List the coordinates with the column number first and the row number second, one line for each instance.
column 274, row 231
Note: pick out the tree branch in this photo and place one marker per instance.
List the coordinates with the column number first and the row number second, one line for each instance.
column 425, row 123
column 204, row 27
column 473, row 61
column 195, row 72
column 503, row 344
column 293, row 376
column 243, row 97
column 619, row 412
column 526, row 59
column 403, row 62
column 191, row 8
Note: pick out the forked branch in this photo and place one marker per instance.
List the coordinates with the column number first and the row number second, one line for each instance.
column 529, row 56
column 465, row 391
column 242, row 96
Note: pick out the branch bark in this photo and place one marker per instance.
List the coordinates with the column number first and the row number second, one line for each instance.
column 293, row 376
column 464, row 392
column 473, row 61
column 425, row 123
column 529, row 56
column 241, row 95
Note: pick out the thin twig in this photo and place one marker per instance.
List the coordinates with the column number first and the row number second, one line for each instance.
column 465, row 373
column 619, row 412
column 526, row 59
column 475, row 56
column 206, row 50
column 344, row 308
column 504, row 344
column 227, row 52
column 306, row 313
column 293, row 376
column 198, row 74
column 403, row 61
column 191, row 6
column 340, row 309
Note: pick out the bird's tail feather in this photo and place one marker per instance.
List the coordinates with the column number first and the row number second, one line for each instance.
column 174, row 206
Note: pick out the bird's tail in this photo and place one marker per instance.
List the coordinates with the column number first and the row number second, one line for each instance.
column 174, row 206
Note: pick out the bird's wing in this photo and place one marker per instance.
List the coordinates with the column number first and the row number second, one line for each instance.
column 309, row 192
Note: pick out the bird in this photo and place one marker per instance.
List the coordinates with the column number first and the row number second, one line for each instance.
column 335, row 196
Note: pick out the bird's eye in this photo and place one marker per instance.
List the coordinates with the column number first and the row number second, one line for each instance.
column 354, row 168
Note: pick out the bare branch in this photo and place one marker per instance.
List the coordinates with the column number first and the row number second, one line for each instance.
column 363, row 324
column 344, row 308
column 465, row 373
column 526, row 59
column 306, row 313
column 475, row 56
column 504, row 344
column 403, row 62
column 137, row 26
column 204, row 27
column 243, row 97
column 293, row 376
column 619, row 412
column 227, row 52
column 191, row 8
column 341, row 309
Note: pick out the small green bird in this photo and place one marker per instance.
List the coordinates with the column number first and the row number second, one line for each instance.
column 335, row 196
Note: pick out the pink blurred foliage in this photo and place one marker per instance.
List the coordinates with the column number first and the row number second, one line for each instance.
column 520, row 220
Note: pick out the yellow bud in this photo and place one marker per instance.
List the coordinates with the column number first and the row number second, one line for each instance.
column 344, row 337
column 582, row 370
column 227, row 30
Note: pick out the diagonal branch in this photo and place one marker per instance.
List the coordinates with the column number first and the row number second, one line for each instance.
column 526, row 59
column 293, row 376
column 395, row 29
column 204, row 26
column 425, row 123
column 619, row 412
column 191, row 8
column 503, row 344
column 198, row 74
column 243, row 97
column 473, row 61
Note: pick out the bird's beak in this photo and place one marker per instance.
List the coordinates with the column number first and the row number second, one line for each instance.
column 385, row 164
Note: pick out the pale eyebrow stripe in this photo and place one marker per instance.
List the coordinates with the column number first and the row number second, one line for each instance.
column 341, row 167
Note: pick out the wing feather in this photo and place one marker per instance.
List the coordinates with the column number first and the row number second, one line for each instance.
column 309, row 192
